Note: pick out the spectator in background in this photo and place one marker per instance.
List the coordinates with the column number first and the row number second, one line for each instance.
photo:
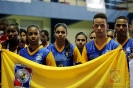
column 102, row 43
column 35, row 52
column 80, row 41
column 12, row 44
column 111, row 33
column 92, row 36
column 65, row 53
column 3, row 26
column 23, row 38
column 44, row 38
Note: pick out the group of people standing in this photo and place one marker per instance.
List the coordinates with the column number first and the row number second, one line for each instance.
column 62, row 53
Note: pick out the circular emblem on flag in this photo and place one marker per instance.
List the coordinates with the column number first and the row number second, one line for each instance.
column 22, row 75
column 115, row 76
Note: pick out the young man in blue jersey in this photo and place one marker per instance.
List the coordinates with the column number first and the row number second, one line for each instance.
column 122, row 36
column 101, row 44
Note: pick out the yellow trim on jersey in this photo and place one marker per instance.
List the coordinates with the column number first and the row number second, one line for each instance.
column 50, row 61
column 84, row 54
column 101, row 47
column 77, row 56
column 61, row 49
column 124, row 41
column 31, row 53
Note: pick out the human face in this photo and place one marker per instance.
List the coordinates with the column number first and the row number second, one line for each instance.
column 12, row 33
column 23, row 37
column 80, row 41
column 110, row 34
column 100, row 27
column 92, row 36
column 44, row 38
column 33, row 35
column 60, row 34
column 121, row 27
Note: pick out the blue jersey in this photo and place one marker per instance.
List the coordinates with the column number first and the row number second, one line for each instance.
column 128, row 46
column 39, row 56
column 92, row 51
column 64, row 58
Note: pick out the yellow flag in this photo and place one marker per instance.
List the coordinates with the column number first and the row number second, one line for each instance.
column 107, row 71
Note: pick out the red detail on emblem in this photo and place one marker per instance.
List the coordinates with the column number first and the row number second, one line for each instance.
column 17, row 83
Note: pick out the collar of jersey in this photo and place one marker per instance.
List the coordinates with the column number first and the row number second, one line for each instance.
column 61, row 49
column 124, row 41
column 31, row 53
column 101, row 47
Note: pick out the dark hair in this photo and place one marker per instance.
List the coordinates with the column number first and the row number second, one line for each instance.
column 15, row 25
column 101, row 15
column 67, row 43
column 23, row 30
column 46, row 33
column 4, row 20
column 33, row 25
column 81, row 33
column 61, row 24
column 122, row 17
column 91, row 33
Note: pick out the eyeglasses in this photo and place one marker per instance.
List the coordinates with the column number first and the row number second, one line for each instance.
column 92, row 37
column 110, row 36
column 97, row 25
column 119, row 25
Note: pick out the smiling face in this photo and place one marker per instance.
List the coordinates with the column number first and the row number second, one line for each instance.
column 33, row 35
column 60, row 33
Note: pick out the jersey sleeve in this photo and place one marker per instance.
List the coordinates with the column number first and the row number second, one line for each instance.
column 84, row 54
column 50, row 61
column 77, row 56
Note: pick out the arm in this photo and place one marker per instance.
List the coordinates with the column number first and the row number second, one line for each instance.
column 50, row 61
column 77, row 56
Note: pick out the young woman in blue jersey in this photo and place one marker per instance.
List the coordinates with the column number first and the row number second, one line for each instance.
column 80, row 41
column 65, row 53
column 34, row 51
column 102, row 43
column 122, row 36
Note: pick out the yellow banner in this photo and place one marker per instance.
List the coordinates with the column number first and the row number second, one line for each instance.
column 107, row 71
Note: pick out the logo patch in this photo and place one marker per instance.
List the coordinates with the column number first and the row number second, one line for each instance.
column 115, row 76
column 22, row 76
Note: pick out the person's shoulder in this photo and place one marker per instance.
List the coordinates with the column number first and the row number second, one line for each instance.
column 44, row 49
column 114, row 42
column 90, row 43
column 50, row 46
column 23, row 49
